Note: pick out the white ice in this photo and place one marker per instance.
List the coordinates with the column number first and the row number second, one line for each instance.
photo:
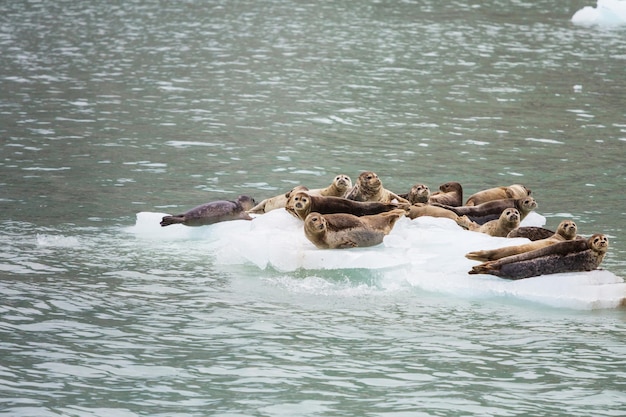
column 607, row 13
column 426, row 253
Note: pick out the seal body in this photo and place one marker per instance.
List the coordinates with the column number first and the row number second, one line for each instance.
column 575, row 255
column 449, row 194
column 508, row 220
column 566, row 231
column 300, row 204
column 369, row 187
column 531, row 232
column 213, row 212
column 342, row 230
column 420, row 210
column 498, row 193
column 491, row 210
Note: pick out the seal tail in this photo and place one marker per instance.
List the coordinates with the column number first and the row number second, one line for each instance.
column 480, row 255
column 168, row 220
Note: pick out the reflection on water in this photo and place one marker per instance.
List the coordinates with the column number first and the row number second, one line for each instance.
column 112, row 109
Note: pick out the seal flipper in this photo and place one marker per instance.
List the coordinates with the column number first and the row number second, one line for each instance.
column 168, row 220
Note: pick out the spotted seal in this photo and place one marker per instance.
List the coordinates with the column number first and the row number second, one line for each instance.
column 575, row 255
column 369, row 187
column 342, row 230
column 301, row 203
column 419, row 193
column 567, row 230
column 508, row 220
column 491, row 210
column 277, row 202
column 449, row 194
column 213, row 212
column 498, row 193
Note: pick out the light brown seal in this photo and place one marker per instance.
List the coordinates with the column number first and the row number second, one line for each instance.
column 369, row 187
column 341, row 185
column 570, row 256
column 342, row 230
column 420, row 210
column 508, row 220
column 566, row 231
column 301, row 203
column 213, row 212
column 449, row 194
column 491, row 210
column 276, row 202
column 498, row 193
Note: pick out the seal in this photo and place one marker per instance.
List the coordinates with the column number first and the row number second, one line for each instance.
column 566, row 231
column 341, row 185
column 213, row 212
column 276, row 202
column 369, row 187
column 342, row 230
column 419, row 193
column 575, row 255
column 491, row 210
column 421, row 209
column 498, row 193
column 531, row 232
column 508, row 220
column 338, row 188
column 301, row 203
column 449, row 194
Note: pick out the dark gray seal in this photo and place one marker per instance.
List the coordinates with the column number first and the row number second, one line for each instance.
column 531, row 232
column 213, row 212
column 492, row 210
column 301, row 203
column 570, row 256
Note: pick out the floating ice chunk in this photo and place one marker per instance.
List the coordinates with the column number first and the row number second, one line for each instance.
column 607, row 13
column 426, row 253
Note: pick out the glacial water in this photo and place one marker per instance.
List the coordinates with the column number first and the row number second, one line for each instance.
column 115, row 113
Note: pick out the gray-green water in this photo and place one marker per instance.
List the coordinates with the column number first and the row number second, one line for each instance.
column 109, row 109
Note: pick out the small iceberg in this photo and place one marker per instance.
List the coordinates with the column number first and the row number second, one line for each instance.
column 608, row 13
column 426, row 253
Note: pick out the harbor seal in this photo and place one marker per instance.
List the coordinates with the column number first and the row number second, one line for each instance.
column 342, row 230
column 419, row 193
column 276, row 202
column 566, row 231
column 531, row 232
column 300, row 204
column 498, row 193
column 338, row 188
column 369, row 187
column 491, row 210
column 449, row 194
column 421, row 209
column 213, row 212
column 575, row 255
column 508, row 220
column 341, row 185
